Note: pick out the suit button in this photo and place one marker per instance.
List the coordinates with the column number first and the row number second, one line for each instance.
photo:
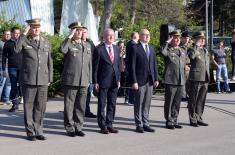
column 38, row 67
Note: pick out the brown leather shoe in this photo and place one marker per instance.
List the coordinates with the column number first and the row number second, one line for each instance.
column 112, row 130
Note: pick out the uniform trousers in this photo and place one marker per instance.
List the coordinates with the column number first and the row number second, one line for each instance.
column 74, row 107
column 35, row 98
column 173, row 95
column 197, row 99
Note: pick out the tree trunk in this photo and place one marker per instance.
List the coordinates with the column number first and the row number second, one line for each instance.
column 132, row 11
column 106, row 18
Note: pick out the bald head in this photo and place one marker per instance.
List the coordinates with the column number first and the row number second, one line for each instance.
column 108, row 36
column 144, row 36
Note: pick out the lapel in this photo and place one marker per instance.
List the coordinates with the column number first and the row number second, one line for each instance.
column 105, row 54
column 142, row 51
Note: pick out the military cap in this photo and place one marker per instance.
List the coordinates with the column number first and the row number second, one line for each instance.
column 75, row 25
column 185, row 34
column 34, row 22
column 175, row 33
column 199, row 34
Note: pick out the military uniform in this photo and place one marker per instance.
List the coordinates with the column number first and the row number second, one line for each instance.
column 174, row 80
column 76, row 76
column 186, row 71
column 36, row 74
column 199, row 77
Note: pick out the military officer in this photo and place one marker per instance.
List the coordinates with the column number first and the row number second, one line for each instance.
column 76, row 76
column 185, row 44
column 173, row 78
column 36, row 74
column 199, row 77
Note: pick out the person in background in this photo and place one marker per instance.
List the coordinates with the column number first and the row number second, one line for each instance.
column 129, row 49
column 5, row 84
column 233, row 54
column 13, row 61
column 218, row 57
column 124, row 91
column 185, row 44
column 88, row 112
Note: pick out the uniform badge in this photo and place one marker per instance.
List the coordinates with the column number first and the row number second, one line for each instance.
column 199, row 57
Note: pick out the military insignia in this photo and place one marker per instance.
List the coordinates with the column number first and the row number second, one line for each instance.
column 74, row 49
column 199, row 57
column 28, row 47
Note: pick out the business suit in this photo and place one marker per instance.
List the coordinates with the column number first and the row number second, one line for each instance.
column 76, row 76
column 129, row 48
column 174, row 79
column 142, row 70
column 36, row 74
column 199, row 77
column 107, row 75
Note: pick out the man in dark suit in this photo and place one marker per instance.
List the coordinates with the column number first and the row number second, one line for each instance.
column 129, row 47
column 106, row 79
column 199, row 77
column 143, row 76
column 174, row 79
column 36, row 75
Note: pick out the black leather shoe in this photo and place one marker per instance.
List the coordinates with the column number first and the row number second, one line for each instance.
column 71, row 134
column 90, row 115
column 80, row 133
column 172, row 127
column 177, row 126
column 104, row 131
column 148, row 129
column 194, row 124
column 139, row 129
column 31, row 138
column 41, row 137
column 14, row 108
column 112, row 130
column 202, row 123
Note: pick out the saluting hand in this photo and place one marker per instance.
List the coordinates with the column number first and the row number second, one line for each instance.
column 26, row 30
column 72, row 33
column 169, row 39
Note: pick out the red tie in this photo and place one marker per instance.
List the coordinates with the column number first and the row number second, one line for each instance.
column 111, row 56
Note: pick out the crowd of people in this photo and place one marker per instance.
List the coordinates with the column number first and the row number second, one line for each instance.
column 27, row 61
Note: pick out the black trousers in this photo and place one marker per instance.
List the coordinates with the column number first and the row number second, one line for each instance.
column 106, row 96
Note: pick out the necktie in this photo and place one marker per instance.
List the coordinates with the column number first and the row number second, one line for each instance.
column 147, row 51
column 111, row 56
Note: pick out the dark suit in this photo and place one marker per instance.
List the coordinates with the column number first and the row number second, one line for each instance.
column 142, row 70
column 37, row 72
column 129, row 49
column 199, row 77
column 107, row 75
column 174, row 79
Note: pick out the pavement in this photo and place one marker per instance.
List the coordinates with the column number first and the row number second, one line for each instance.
column 216, row 139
